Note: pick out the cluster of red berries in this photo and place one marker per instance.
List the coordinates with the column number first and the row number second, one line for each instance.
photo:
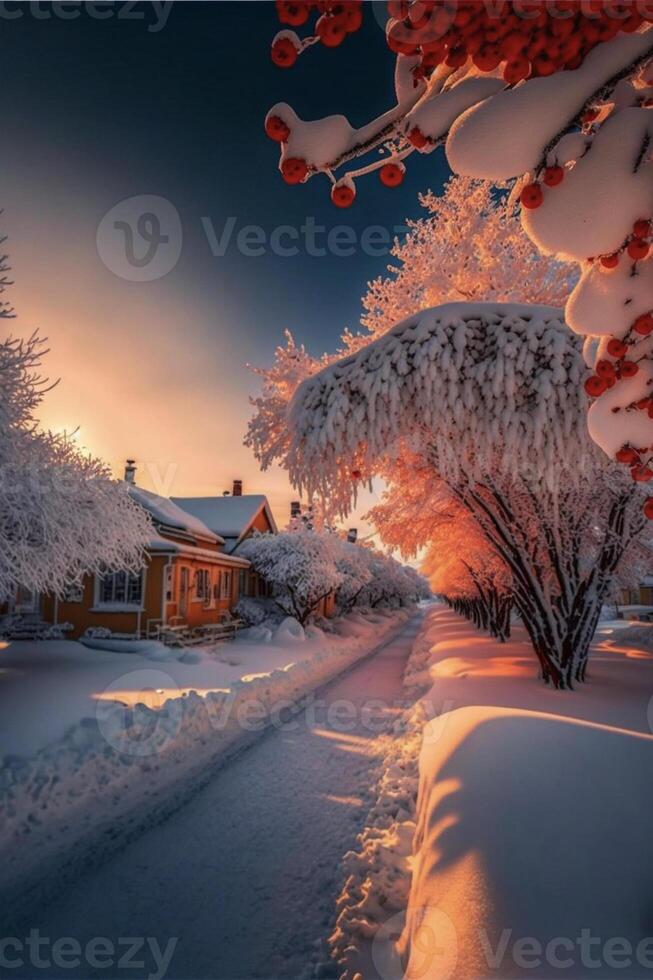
column 607, row 374
column 639, row 461
column 294, row 169
column 532, row 195
column 637, row 245
column 343, row 193
column 334, row 22
column 529, row 38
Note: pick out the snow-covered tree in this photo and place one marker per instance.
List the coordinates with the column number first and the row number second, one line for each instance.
column 486, row 399
column 460, row 563
column 470, row 248
column 391, row 584
column 300, row 565
column 355, row 566
column 557, row 96
column 61, row 514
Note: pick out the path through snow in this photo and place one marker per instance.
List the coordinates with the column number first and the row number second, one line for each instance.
column 246, row 874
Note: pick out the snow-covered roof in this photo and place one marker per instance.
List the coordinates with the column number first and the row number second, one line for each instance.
column 168, row 513
column 165, row 546
column 229, row 517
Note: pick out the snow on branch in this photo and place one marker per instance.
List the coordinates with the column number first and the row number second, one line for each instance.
column 474, row 386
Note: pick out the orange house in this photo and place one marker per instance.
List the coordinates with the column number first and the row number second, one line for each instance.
column 188, row 580
column 193, row 575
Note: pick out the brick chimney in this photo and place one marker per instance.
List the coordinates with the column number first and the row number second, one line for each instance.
column 295, row 509
column 130, row 471
column 238, row 488
column 352, row 535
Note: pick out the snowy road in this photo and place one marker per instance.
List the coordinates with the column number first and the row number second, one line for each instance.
column 246, row 874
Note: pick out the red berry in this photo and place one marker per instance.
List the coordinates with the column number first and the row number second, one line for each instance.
column 637, row 249
column 277, row 129
column 512, row 45
column 487, row 58
column 417, row 138
column 617, row 348
column 398, row 9
column 627, row 455
column 517, row 70
column 629, row 369
column 294, row 14
column 343, row 195
column 330, row 30
column 595, row 386
column 610, row 261
column 648, row 509
column 356, row 474
column 642, row 228
column 605, row 370
column 457, row 56
column 392, row 174
column 553, row 176
column 284, row 52
column 531, row 196
column 643, row 324
column 353, row 16
column 589, row 115
column 641, row 474
column 294, row 170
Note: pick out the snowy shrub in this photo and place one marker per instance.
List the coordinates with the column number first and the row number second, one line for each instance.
column 300, row 565
column 252, row 611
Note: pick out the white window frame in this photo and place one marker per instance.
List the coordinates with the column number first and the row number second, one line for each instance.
column 226, row 583
column 120, row 605
column 169, row 584
column 203, row 575
column 27, row 601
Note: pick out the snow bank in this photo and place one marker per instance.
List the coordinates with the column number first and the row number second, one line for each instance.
column 377, row 874
column 123, row 767
column 531, row 850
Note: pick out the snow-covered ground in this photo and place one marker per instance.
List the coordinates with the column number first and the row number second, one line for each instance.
column 242, row 881
column 94, row 741
column 531, row 851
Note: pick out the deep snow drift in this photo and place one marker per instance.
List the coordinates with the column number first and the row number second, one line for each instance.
column 531, row 851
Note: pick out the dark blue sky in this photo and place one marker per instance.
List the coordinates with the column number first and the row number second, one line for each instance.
column 98, row 111
column 179, row 112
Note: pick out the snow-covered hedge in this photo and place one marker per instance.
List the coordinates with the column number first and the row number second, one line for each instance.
column 305, row 565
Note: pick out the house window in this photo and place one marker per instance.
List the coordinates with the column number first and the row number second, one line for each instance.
column 121, row 588
column 242, row 582
column 26, row 601
column 170, row 583
column 225, row 591
column 202, row 584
